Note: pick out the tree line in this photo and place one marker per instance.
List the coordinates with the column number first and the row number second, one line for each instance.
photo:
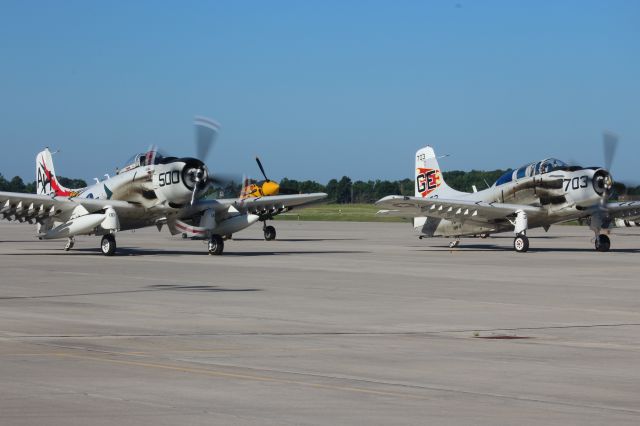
column 18, row 185
column 344, row 190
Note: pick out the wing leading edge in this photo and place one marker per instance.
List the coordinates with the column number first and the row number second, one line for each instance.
column 269, row 205
column 34, row 207
column 475, row 211
column 624, row 210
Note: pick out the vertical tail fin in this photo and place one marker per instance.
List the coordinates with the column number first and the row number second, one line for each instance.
column 46, row 180
column 429, row 181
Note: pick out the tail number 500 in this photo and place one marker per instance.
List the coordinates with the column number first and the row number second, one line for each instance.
column 168, row 178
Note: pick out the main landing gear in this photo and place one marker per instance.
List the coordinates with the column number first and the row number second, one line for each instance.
column 597, row 224
column 108, row 245
column 70, row 242
column 603, row 243
column 269, row 232
column 215, row 245
column 521, row 242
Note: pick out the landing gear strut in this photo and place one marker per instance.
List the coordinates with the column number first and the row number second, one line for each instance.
column 521, row 242
column 216, row 245
column 70, row 242
column 454, row 244
column 108, row 245
column 597, row 223
column 269, row 232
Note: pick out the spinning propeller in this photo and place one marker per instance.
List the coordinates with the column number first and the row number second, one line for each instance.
column 206, row 132
column 609, row 144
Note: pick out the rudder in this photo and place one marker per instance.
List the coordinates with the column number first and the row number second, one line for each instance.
column 429, row 181
column 46, row 180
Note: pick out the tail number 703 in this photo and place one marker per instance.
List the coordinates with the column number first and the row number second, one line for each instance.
column 576, row 183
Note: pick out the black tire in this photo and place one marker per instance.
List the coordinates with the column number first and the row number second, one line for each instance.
column 216, row 245
column 108, row 245
column 521, row 243
column 603, row 243
column 269, row 233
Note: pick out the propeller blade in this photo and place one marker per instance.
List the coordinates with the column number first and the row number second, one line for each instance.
column 609, row 143
column 206, row 132
column 262, row 169
column 193, row 194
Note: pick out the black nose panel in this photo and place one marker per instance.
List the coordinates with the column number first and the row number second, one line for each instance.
column 601, row 181
column 192, row 167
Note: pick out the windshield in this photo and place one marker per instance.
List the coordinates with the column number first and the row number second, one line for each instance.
column 150, row 157
column 551, row 164
column 533, row 169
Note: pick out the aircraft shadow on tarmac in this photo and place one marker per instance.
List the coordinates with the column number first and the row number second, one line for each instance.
column 142, row 252
column 125, row 251
column 146, row 289
column 31, row 241
column 493, row 247
column 212, row 288
column 298, row 239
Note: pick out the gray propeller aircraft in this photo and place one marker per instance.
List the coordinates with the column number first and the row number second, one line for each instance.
column 535, row 195
column 150, row 190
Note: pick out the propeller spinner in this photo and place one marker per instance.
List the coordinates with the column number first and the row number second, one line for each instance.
column 268, row 187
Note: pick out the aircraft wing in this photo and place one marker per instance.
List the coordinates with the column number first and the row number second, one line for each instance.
column 474, row 211
column 624, row 209
column 29, row 207
column 261, row 206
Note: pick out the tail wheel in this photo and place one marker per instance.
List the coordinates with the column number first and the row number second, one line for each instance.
column 603, row 243
column 269, row 233
column 521, row 243
column 216, row 245
column 108, row 245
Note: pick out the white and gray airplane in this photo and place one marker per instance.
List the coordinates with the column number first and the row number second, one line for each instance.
column 535, row 195
column 150, row 190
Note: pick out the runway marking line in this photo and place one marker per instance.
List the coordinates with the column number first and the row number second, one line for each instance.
column 331, row 387
column 242, row 376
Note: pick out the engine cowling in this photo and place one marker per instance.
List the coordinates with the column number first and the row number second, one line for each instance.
column 175, row 182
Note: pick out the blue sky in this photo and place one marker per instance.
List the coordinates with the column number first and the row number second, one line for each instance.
column 319, row 89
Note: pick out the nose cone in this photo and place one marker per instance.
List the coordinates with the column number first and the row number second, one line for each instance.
column 194, row 172
column 270, row 188
column 602, row 181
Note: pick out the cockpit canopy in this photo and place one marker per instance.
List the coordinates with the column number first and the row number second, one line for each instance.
column 148, row 158
column 533, row 169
